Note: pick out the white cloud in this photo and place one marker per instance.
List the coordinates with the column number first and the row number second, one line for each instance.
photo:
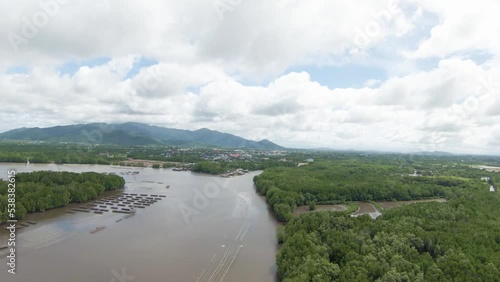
column 207, row 67
column 464, row 26
column 256, row 39
column 290, row 110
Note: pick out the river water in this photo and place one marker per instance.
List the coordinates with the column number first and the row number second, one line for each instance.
column 206, row 228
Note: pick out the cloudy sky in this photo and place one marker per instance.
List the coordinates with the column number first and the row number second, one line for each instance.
column 410, row 75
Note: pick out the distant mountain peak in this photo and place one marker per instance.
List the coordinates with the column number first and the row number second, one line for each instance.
column 133, row 133
column 204, row 129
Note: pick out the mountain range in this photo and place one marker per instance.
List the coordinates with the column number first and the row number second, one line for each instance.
column 132, row 133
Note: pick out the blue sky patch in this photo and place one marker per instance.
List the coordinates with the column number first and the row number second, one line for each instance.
column 70, row 68
column 140, row 64
column 17, row 70
column 345, row 76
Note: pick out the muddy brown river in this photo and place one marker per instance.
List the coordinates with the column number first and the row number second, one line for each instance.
column 205, row 228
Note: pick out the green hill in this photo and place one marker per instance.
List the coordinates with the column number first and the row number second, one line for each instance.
column 135, row 134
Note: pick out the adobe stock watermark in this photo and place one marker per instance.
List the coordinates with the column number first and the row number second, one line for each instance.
column 201, row 198
column 221, row 7
column 144, row 85
column 11, row 220
column 363, row 36
column 461, row 115
column 149, row 82
column 121, row 276
column 31, row 26
column 487, row 88
column 436, row 141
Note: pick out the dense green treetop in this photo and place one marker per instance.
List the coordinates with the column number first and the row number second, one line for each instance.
column 458, row 240
column 374, row 178
column 44, row 190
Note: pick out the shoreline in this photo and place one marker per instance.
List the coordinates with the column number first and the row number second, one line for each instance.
column 28, row 216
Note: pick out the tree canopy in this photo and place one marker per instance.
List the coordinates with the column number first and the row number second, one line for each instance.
column 456, row 240
column 44, row 190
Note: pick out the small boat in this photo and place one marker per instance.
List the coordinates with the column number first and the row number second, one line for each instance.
column 168, row 186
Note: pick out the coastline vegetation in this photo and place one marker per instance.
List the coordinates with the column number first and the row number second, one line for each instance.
column 43, row 190
column 457, row 240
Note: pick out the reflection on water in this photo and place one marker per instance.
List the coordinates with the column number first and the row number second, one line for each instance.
column 205, row 229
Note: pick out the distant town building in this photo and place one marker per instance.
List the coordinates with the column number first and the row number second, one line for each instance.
column 485, row 179
column 310, row 160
